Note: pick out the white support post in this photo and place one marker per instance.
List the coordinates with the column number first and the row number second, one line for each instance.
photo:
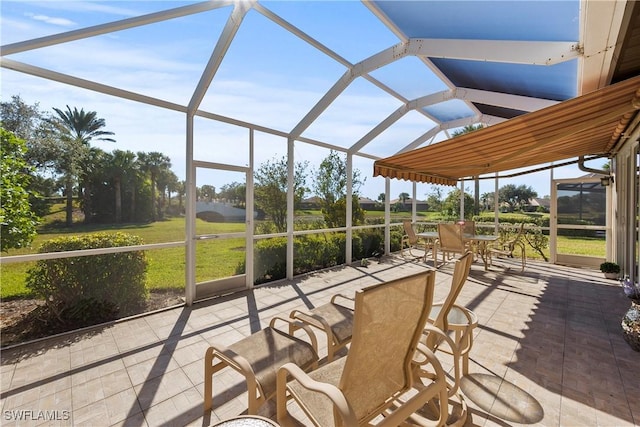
column 190, row 210
column 462, row 200
column 414, row 216
column 553, row 218
column 290, row 201
column 387, row 216
column 496, row 205
column 349, row 211
column 249, row 206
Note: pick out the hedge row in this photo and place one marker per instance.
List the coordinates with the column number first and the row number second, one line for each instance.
column 89, row 288
column 314, row 252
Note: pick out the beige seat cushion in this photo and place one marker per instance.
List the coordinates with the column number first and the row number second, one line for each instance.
column 267, row 350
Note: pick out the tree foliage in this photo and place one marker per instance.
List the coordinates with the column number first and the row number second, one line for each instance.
column 516, row 197
column 234, row 193
column 28, row 123
column 330, row 186
column 17, row 220
column 208, row 192
column 33, row 126
column 153, row 163
column 76, row 129
column 465, row 130
column 434, row 200
column 270, row 189
column 451, row 204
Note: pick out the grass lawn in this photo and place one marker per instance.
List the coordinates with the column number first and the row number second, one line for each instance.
column 216, row 258
column 588, row 246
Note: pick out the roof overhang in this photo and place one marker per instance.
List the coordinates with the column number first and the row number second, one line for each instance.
column 591, row 124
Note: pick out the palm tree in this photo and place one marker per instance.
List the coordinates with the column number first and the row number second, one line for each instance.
column 403, row 198
column 122, row 166
column 92, row 164
column 152, row 163
column 181, row 189
column 76, row 129
column 166, row 180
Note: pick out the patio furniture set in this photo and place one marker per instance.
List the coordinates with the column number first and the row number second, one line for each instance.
column 459, row 237
column 393, row 335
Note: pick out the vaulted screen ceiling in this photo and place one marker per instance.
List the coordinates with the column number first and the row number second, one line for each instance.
column 491, row 61
column 589, row 125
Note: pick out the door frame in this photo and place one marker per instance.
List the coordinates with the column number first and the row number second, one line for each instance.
column 571, row 259
column 207, row 289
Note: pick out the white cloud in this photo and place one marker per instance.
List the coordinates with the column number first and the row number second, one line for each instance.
column 62, row 22
column 87, row 6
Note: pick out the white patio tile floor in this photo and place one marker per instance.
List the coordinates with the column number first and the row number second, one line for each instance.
column 548, row 351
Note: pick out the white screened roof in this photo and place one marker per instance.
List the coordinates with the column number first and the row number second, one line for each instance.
column 372, row 78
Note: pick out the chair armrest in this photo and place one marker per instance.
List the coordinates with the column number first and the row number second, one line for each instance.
column 310, row 319
column 230, row 358
column 430, row 329
column 348, row 298
column 329, row 390
column 427, row 357
column 296, row 325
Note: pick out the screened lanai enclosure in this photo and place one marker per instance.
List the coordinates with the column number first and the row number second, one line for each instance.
column 282, row 117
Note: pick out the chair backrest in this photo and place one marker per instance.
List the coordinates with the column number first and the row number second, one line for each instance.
column 520, row 232
column 468, row 227
column 512, row 242
column 460, row 273
column 450, row 237
column 388, row 322
column 408, row 230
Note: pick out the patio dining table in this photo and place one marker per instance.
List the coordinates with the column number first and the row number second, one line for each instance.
column 480, row 241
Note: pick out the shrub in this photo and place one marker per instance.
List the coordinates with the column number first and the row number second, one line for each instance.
column 73, row 286
column 270, row 262
column 367, row 243
column 609, row 267
column 512, row 218
column 315, row 251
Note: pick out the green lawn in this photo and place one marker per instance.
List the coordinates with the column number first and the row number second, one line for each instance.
column 595, row 247
column 215, row 258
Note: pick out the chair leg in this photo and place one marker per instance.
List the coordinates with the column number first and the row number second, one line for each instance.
column 465, row 355
column 255, row 399
column 208, row 379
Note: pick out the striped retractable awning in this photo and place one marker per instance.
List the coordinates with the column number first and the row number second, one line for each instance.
column 591, row 124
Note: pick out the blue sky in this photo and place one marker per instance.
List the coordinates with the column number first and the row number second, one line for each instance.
column 269, row 77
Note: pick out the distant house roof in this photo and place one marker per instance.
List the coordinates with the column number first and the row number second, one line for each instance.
column 366, row 200
column 314, row 199
column 535, row 201
column 408, row 201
